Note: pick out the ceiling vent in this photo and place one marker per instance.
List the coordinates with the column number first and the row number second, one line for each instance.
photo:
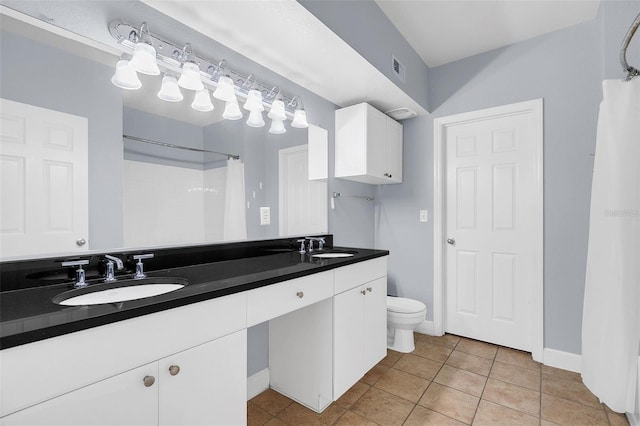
column 401, row 113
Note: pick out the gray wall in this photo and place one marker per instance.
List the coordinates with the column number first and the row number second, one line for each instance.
column 564, row 68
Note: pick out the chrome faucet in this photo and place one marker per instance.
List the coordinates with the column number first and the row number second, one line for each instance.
column 80, row 282
column 139, row 266
column 320, row 241
column 110, row 274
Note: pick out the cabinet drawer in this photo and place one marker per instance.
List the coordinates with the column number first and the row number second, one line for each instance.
column 274, row 300
column 357, row 274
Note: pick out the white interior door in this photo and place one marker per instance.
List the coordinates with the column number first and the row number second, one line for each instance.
column 491, row 228
column 44, row 188
column 303, row 203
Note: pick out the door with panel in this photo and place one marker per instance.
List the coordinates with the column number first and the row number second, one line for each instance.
column 44, row 186
column 491, row 182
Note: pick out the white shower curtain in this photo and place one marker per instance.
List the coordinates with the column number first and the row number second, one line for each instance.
column 611, row 312
column 235, row 223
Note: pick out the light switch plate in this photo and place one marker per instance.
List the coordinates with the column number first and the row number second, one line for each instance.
column 424, row 215
column 265, row 215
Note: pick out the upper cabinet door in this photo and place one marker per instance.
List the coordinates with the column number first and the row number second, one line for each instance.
column 44, row 186
column 368, row 146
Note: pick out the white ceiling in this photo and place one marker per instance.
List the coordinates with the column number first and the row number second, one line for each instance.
column 443, row 31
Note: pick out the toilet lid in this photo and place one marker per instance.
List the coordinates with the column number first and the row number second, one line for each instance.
column 404, row 305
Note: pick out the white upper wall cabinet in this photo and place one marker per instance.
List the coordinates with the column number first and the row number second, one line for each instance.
column 368, row 146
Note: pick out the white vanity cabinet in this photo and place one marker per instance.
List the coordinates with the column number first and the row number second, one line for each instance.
column 199, row 386
column 360, row 318
column 368, row 145
column 96, row 376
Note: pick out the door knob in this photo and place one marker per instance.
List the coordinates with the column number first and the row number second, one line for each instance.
column 451, row 241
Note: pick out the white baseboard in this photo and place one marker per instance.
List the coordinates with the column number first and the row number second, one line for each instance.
column 257, row 383
column 563, row 360
column 426, row 327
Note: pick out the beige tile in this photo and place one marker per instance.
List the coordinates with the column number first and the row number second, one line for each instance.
column 525, row 377
column 421, row 416
column 512, row 396
column 349, row 418
column 450, row 402
column 275, row 422
column 617, row 419
column 569, row 389
column 460, row 379
column 374, row 374
column 519, row 358
column 565, row 412
column 353, row 394
column 418, row 366
column 391, row 358
column 382, row 407
column 546, row 423
column 433, row 352
column 469, row 362
column 561, row 374
column 256, row 416
column 271, row 401
column 493, row 414
column 403, row 384
column 296, row 414
column 477, row 348
column 448, row 340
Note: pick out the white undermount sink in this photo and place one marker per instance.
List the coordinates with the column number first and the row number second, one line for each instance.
column 333, row 254
column 119, row 291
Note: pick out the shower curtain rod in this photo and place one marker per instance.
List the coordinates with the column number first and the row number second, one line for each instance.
column 170, row 145
column 631, row 71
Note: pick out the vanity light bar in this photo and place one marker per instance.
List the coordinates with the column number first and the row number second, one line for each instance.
column 170, row 56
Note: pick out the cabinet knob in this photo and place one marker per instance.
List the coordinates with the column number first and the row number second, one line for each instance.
column 174, row 370
column 388, row 175
column 363, row 291
column 369, row 289
column 300, row 294
column 149, row 381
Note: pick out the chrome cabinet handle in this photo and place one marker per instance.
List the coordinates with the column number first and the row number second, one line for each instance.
column 451, row 241
column 300, row 294
column 369, row 289
column 174, row 370
column 148, row 381
column 364, row 292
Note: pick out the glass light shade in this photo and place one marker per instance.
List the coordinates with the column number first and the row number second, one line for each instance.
column 125, row 76
column 202, row 101
column 255, row 119
column 190, row 77
column 144, row 59
column 277, row 111
column 300, row 119
column 169, row 91
column 277, row 127
column 254, row 101
column 232, row 111
column 225, row 91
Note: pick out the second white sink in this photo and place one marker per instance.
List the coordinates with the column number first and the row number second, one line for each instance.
column 331, row 255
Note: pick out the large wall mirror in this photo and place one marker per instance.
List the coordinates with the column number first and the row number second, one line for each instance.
column 186, row 190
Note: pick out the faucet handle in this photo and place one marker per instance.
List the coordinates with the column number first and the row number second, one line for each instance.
column 302, row 249
column 139, row 266
column 116, row 260
column 321, row 242
column 79, row 272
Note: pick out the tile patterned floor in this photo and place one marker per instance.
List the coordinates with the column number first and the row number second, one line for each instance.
column 450, row 380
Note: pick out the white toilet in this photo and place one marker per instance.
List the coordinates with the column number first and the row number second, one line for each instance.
column 403, row 316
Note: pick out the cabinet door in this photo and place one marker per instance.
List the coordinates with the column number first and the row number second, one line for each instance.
column 375, row 145
column 375, row 322
column 393, row 151
column 348, row 340
column 120, row 400
column 209, row 385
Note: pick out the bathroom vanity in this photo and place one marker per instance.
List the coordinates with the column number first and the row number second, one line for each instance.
column 181, row 357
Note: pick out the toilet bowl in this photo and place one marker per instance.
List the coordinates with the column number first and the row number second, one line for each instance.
column 403, row 316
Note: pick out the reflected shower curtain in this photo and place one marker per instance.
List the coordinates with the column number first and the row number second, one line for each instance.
column 235, row 223
column 611, row 312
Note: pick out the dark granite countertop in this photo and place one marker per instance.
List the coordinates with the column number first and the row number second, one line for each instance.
column 28, row 314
